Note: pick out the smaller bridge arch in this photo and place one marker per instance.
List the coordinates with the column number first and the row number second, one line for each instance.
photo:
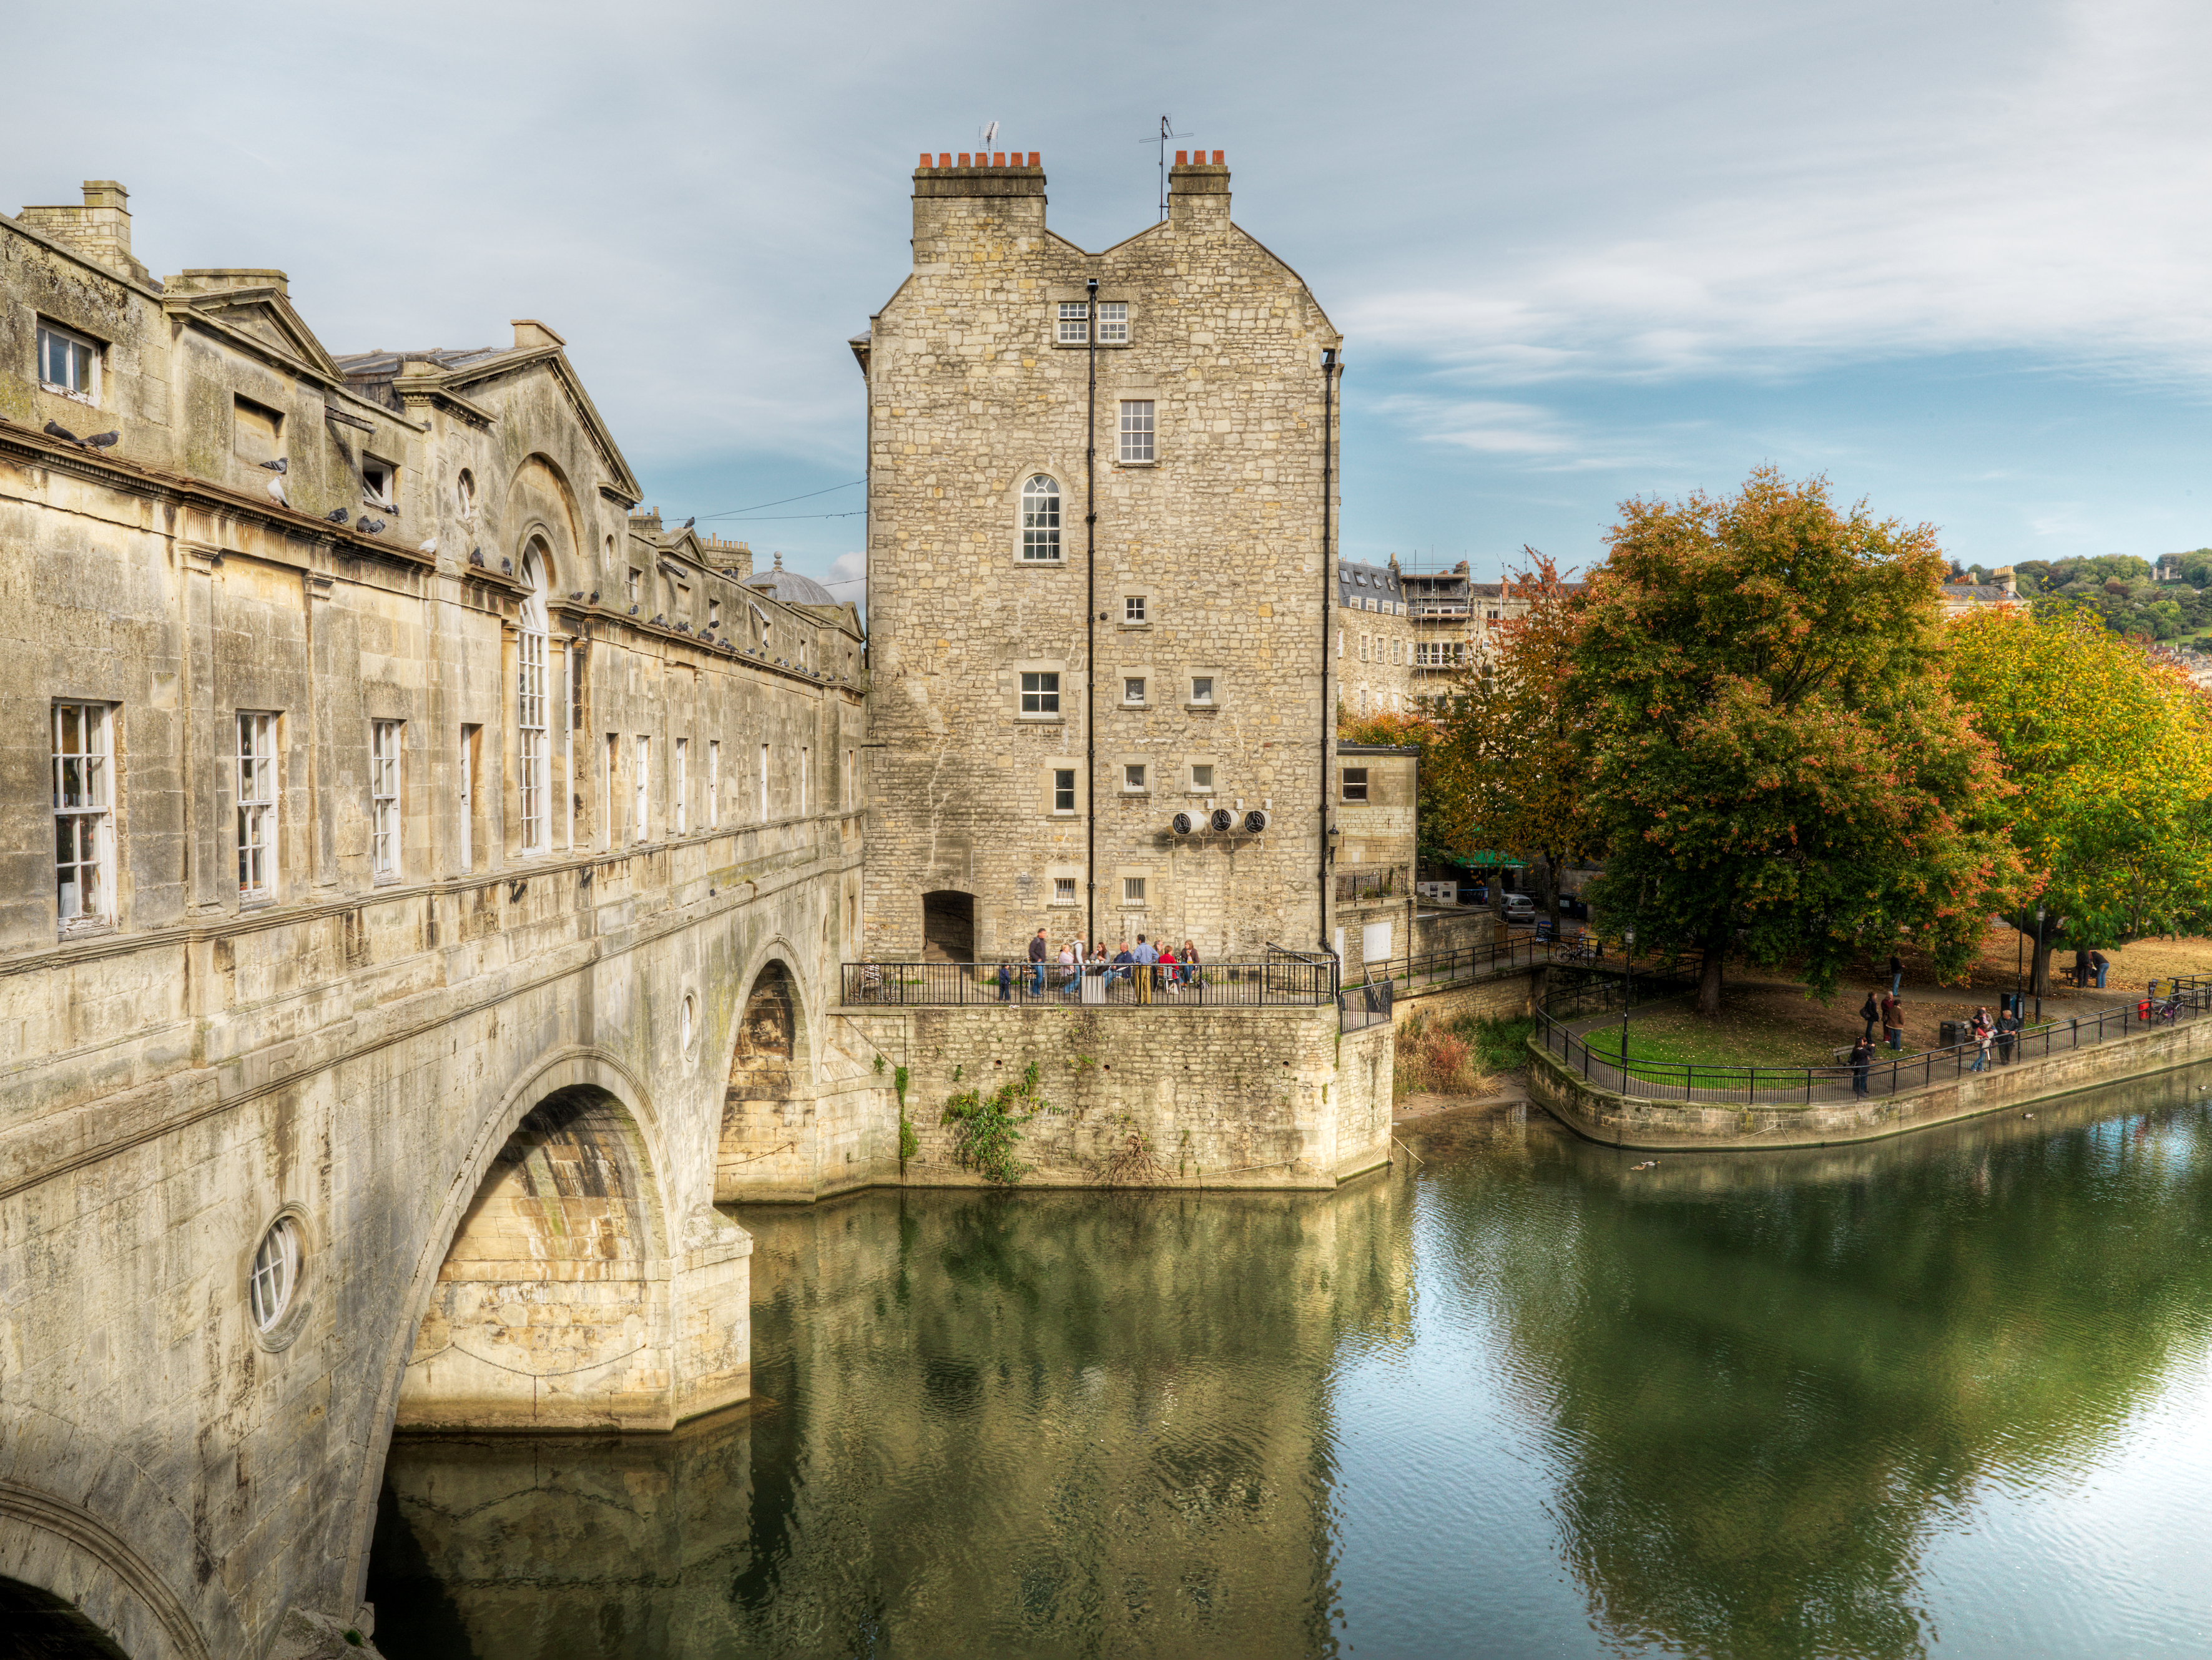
column 768, row 1129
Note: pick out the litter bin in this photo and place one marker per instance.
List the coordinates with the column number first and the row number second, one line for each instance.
column 1952, row 1033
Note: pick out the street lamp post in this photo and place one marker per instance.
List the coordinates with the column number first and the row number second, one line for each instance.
column 1627, row 993
column 2038, row 946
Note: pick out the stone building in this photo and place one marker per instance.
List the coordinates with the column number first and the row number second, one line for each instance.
column 1098, row 576
column 423, row 869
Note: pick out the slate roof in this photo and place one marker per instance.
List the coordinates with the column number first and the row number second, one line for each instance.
column 379, row 363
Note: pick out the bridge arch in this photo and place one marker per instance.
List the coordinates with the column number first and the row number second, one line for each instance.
column 768, row 1120
column 70, row 1580
column 558, row 1287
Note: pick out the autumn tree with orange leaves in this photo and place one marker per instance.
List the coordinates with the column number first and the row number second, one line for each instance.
column 1775, row 761
column 1511, row 762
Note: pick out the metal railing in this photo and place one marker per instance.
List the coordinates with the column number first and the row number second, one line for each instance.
column 1703, row 1084
column 1282, row 980
column 1431, row 969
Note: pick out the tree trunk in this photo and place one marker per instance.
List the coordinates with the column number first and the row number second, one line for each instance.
column 1552, row 890
column 1709, row 976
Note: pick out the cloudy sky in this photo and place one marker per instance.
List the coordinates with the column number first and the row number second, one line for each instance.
column 1950, row 253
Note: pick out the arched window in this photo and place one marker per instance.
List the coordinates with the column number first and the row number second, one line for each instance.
column 464, row 492
column 530, row 701
column 1041, row 518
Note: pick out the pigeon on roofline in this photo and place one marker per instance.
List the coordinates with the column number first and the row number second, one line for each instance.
column 100, row 440
column 335, row 515
column 688, row 523
column 595, row 596
column 55, row 430
column 276, row 492
column 368, row 527
column 507, row 564
column 430, row 546
column 280, row 465
column 475, row 555
column 632, row 611
column 575, row 593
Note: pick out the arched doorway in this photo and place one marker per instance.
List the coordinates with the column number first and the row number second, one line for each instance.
column 948, row 926
column 37, row 1625
column 768, row 1111
column 547, row 1313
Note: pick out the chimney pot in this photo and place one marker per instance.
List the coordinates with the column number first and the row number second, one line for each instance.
column 924, row 158
column 999, row 158
column 1217, row 158
column 1182, row 158
column 944, row 158
column 1033, row 160
column 963, row 159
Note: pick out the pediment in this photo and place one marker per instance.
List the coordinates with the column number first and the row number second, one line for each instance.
column 265, row 317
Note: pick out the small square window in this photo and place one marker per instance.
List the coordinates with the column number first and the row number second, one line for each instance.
column 379, row 483
column 1201, row 689
column 1063, row 890
column 1132, row 890
column 1133, row 778
column 1132, row 610
column 256, row 434
column 1133, row 689
column 713, row 613
column 1201, row 777
column 1113, row 322
column 68, row 364
column 1040, row 693
column 1137, row 430
column 1074, row 322
column 1355, row 783
column 1063, row 789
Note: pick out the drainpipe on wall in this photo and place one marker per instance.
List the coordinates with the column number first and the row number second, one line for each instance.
column 1090, row 631
column 1327, row 581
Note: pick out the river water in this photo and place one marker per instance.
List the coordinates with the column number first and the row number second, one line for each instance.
column 1946, row 1395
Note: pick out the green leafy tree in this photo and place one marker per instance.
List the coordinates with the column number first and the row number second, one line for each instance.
column 1775, row 759
column 2111, row 754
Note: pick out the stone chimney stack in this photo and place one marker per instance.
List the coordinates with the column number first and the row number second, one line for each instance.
column 735, row 558
column 1198, row 192
column 99, row 230
column 959, row 196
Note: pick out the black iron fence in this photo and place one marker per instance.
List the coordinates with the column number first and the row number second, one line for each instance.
column 1286, row 980
column 1593, row 1053
column 1431, row 969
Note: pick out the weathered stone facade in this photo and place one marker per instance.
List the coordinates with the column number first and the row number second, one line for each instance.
column 425, row 820
column 1378, row 798
column 1044, row 709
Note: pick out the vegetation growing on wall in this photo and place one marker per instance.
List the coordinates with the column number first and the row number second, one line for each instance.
column 987, row 1129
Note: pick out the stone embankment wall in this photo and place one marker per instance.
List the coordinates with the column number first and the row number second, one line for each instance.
column 1654, row 1125
column 1257, row 1098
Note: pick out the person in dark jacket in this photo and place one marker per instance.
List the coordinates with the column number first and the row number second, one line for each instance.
column 1006, row 983
column 1861, row 1060
column 1038, row 951
column 2081, row 967
column 1871, row 1013
column 1892, row 1022
column 2098, row 964
column 1896, row 975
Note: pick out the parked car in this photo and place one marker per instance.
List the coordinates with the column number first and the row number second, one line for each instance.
column 1519, row 908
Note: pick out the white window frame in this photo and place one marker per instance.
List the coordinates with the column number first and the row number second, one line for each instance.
column 384, row 821
column 1351, row 778
column 714, row 783
column 1133, row 777
column 1040, row 519
column 641, row 803
column 1202, row 786
column 1134, row 612
column 1201, row 690
column 1063, row 890
column 1133, row 892
column 274, row 1276
column 1139, row 436
column 1059, row 773
column 388, row 498
column 83, row 746
column 531, row 765
column 82, row 361
column 682, row 805
column 1113, row 322
column 1133, row 692
column 259, row 789
column 1045, row 691
column 1074, row 323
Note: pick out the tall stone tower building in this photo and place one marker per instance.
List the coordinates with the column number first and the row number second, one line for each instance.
column 1099, row 579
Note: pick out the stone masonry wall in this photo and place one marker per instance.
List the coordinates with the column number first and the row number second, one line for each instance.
column 969, row 395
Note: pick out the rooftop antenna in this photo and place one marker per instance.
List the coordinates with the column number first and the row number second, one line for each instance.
column 1167, row 131
column 990, row 134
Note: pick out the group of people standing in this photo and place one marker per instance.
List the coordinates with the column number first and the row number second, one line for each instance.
column 1148, row 967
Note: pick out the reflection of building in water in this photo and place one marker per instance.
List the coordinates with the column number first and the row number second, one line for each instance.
column 1770, row 1378
column 985, row 1426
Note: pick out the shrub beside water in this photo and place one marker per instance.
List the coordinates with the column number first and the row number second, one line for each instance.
column 1437, row 1057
